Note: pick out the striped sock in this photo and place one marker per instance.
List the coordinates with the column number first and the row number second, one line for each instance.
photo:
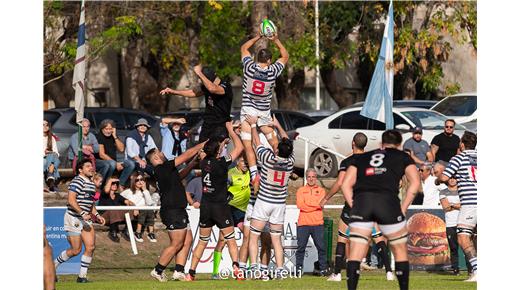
column 62, row 258
column 85, row 263
column 473, row 262
column 242, row 265
column 263, row 267
column 253, row 170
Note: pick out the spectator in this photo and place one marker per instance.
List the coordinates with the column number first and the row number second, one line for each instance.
column 418, row 148
column 113, row 218
column 310, row 220
column 51, row 160
column 429, row 189
column 446, row 144
column 106, row 159
column 138, row 143
column 98, row 181
column 174, row 142
column 89, row 147
column 194, row 192
column 140, row 196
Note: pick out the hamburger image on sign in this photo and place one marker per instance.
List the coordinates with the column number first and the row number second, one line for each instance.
column 427, row 243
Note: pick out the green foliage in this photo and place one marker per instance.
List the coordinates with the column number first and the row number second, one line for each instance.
column 452, row 89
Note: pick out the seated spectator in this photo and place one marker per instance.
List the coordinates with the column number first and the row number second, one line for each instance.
column 106, row 159
column 174, row 142
column 310, row 221
column 138, row 143
column 98, row 181
column 51, row 160
column 140, row 196
column 429, row 189
column 89, row 143
column 113, row 218
column 418, row 149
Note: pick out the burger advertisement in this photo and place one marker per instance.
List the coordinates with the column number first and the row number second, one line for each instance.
column 427, row 242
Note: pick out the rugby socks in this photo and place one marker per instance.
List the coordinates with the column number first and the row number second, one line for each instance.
column 263, row 268
column 159, row 268
column 62, row 258
column 253, row 171
column 340, row 258
column 473, row 262
column 192, row 272
column 242, row 266
column 85, row 263
column 402, row 271
column 383, row 250
column 179, row 268
column 217, row 257
column 353, row 274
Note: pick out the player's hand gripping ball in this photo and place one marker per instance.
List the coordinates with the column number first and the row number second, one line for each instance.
column 267, row 28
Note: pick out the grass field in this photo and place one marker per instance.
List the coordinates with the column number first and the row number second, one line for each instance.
column 113, row 279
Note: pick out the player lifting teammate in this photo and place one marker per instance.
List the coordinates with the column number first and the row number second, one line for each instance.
column 257, row 91
column 214, row 208
column 371, row 188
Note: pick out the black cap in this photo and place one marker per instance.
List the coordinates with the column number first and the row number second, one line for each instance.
column 209, row 73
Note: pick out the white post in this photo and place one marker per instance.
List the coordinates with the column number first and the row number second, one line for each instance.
column 306, row 164
column 131, row 233
column 317, row 33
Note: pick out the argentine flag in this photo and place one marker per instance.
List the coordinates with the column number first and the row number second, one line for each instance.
column 378, row 103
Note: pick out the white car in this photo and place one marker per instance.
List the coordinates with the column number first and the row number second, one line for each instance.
column 336, row 132
column 460, row 107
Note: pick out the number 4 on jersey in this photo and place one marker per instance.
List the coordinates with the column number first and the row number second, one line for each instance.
column 279, row 178
column 207, row 180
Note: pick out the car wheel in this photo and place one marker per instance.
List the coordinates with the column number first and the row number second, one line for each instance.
column 324, row 163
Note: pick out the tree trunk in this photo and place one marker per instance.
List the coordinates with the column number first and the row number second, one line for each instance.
column 60, row 91
column 260, row 11
column 339, row 94
column 288, row 93
column 134, row 74
column 408, row 90
column 193, row 24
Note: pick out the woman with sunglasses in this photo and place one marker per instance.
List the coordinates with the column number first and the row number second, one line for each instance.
column 51, row 159
column 140, row 196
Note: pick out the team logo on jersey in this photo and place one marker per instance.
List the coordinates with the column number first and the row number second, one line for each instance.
column 227, row 222
column 374, row 171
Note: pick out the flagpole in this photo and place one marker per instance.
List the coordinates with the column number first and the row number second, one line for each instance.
column 317, row 35
column 78, row 79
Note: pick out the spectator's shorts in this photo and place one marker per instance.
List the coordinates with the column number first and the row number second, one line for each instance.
column 264, row 117
column 146, row 218
column 468, row 216
column 215, row 214
column 238, row 215
column 345, row 214
column 375, row 207
column 73, row 225
column 174, row 219
column 269, row 212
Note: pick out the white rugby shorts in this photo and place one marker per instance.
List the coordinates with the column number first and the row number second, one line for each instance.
column 269, row 212
column 468, row 216
column 247, row 218
column 73, row 225
column 264, row 117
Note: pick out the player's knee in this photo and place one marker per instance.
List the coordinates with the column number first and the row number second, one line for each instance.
column 400, row 239
column 230, row 236
column 245, row 136
column 358, row 238
column 204, row 239
column 464, row 232
column 342, row 235
column 275, row 232
column 254, row 230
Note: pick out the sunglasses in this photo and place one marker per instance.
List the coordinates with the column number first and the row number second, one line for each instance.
column 139, row 179
column 448, row 127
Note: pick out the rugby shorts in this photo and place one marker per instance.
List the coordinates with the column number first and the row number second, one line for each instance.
column 174, row 219
column 74, row 225
column 273, row 213
column 383, row 209
column 264, row 117
column 468, row 216
column 215, row 214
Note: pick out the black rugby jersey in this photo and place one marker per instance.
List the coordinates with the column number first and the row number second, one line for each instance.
column 343, row 166
column 214, row 179
column 173, row 194
column 218, row 107
column 379, row 171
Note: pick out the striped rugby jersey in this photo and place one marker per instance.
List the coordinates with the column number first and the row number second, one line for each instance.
column 258, row 84
column 85, row 190
column 274, row 175
column 463, row 167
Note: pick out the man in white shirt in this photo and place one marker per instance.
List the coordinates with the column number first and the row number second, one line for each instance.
column 138, row 143
column 430, row 190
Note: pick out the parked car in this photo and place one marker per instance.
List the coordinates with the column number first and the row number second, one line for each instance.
column 63, row 122
column 336, row 132
column 424, row 104
column 318, row 115
column 461, row 107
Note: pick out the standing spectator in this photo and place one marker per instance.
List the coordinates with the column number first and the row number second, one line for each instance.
column 140, row 196
column 174, row 143
column 114, row 218
column 51, row 160
column 138, row 143
column 194, row 192
column 418, row 148
column 450, row 202
column 310, row 220
column 445, row 145
column 429, row 189
column 90, row 145
column 106, row 159
column 218, row 95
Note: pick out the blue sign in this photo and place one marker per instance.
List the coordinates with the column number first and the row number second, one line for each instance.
column 57, row 237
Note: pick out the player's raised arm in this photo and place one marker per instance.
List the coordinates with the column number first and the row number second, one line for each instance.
column 211, row 86
column 188, row 154
column 192, row 93
column 238, row 147
column 284, row 55
column 414, row 183
column 279, row 127
column 244, row 49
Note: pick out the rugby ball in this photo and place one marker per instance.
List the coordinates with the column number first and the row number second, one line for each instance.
column 267, row 28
